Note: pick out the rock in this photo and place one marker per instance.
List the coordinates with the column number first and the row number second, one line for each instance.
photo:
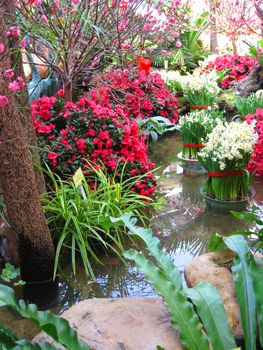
column 205, row 267
column 122, row 324
column 251, row 83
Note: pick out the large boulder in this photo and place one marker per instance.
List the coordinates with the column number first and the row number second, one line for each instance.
column 213, row 267
column 134, row 323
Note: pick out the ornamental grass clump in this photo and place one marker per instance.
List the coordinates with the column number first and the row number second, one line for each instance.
column 195, row 127
column 225, row 156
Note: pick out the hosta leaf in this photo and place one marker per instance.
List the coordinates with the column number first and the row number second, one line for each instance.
column 244, row 288
column 183, row 316
column 212, row 313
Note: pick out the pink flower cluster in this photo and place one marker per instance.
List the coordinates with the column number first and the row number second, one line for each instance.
column 256, row 163
column 134, row 95
column 236, row 68
column 69, row 134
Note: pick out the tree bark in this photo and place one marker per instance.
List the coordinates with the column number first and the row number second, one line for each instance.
column 213, row 30
column 68, row 87
column 24, row 110
column 18, row 180
column 234, row 45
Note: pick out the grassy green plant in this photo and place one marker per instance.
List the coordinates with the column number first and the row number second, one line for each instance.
column 248, row 105
column 78, row 217
column 56, row 327
column 166, row 278
column 200, row 97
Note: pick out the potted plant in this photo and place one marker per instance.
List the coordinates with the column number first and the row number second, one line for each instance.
column 225, row 157
column 194, row 128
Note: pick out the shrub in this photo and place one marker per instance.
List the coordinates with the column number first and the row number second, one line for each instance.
column 235, row 68
column 70, row 134
column 256, row 163
column 135, row 95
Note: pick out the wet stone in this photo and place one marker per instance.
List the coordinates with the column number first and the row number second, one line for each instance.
column 134, row 323
column 212, row 267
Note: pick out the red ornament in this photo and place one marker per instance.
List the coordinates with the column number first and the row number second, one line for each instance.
column 144, row 64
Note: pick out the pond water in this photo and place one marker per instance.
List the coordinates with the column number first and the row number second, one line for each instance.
column 184, row 228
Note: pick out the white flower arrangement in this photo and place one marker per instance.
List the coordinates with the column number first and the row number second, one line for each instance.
column 229, row 141
column 195, row 127
column 225, row 156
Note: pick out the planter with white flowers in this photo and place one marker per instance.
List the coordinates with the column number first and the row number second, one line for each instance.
column 225, row 157
column 194, row 128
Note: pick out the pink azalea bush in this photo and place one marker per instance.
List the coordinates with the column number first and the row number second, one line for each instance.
column 236, row 68
column 69, row 134
column 256, row 163
column 134, row 95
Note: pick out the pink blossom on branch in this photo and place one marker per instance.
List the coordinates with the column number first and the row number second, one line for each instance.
column 3, row 100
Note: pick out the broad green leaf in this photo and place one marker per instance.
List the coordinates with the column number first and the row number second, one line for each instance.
column 163, row 259
column 56, row 327
column 183, row 316
column 244, row 288
column 212, row 313
column 256, row 270
column 216, row 243
column 7, row 296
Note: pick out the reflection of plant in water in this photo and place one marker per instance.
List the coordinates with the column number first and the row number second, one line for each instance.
column 114, row 280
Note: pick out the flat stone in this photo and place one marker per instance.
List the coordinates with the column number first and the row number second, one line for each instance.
column 206, row 268
column 135, row 323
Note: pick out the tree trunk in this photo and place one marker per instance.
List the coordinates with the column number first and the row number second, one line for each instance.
column 68, row 87
column 18, row 180
column 234, row 45
column 213, row 30
column 25, row 111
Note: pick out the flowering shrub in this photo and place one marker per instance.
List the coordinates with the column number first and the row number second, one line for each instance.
column 70, row 134
column 135, row 95
column 234, row 68
column 256, row 163
column 225, row 156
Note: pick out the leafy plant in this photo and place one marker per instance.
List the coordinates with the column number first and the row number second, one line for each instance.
column 167, row 280
column 78, row 217
column 247, row 274
column 174, row 86
column 256, row 51
column 249, row 105
column 156, row 126
column 55, row 326
column 10, row 273
column 256, row 216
